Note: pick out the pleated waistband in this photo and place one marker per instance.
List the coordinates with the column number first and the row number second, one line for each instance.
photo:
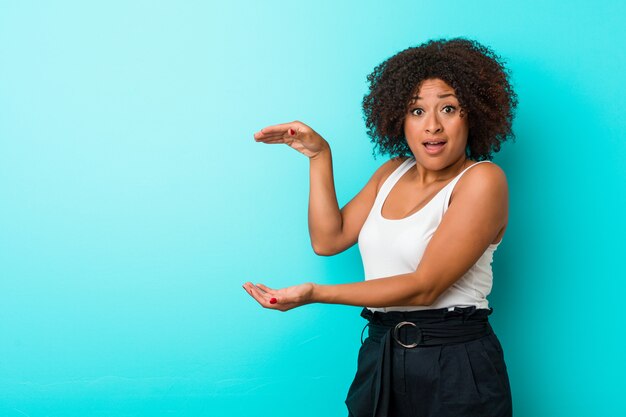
column 413, row 329
column 429, row 327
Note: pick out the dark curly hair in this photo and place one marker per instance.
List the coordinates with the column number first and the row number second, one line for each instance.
column 475, row 72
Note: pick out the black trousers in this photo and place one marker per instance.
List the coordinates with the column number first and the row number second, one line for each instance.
column 430, row 363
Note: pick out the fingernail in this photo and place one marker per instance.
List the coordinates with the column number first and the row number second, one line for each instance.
column 273, row 300
column 292, row 132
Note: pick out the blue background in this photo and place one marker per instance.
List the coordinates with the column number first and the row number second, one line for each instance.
column 134, row 201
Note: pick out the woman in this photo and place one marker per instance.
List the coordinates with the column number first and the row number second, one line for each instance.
column 427, row 224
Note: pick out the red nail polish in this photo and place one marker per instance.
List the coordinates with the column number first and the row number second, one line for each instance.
column 273, row 300
column 292, row 132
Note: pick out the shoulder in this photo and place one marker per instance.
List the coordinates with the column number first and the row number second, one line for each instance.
column 487, row 173
column 386, row 169
column 485, row 180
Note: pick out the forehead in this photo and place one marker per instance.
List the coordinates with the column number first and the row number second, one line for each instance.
column 432, row 87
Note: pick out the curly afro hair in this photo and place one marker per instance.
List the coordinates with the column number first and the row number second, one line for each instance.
column 475, row 72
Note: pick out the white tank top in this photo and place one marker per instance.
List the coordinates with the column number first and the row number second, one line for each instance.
column 394, row 247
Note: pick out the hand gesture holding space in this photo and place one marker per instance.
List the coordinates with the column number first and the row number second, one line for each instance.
column 475, row 217
column 284, row 299
column 296, row 135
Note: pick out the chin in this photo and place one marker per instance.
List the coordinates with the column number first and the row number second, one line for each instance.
column 436, row 163
column 432, row 160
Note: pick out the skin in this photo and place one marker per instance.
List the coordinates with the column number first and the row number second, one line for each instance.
column 476, row 217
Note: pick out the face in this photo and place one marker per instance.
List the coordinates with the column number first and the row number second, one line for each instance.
column 435, row 126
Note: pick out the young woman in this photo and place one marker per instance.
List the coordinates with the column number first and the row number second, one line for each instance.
column 427, row 224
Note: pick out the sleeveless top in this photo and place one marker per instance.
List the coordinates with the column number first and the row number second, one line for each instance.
column 393, row 247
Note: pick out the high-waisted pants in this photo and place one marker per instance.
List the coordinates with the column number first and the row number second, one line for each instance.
column 430, row 363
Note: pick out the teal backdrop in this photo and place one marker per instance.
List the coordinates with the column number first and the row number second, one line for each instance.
column 134, row 201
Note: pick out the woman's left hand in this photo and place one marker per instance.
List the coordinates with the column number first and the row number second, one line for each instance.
column 283, row 299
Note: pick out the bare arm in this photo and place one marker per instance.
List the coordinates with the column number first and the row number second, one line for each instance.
column 331, row 230
column 325, row 219
column 477, row 213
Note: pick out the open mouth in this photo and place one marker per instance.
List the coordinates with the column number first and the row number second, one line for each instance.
column 434, row 146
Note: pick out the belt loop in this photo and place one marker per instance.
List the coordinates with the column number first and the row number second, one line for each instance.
column 363, row 331
column 469, row 312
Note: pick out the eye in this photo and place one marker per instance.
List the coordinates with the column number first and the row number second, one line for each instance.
column 449, row 109
column 417, row 112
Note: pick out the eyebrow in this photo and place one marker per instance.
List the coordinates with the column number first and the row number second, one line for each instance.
column 440, row 96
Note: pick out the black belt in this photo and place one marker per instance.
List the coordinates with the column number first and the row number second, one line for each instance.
column 412, row 329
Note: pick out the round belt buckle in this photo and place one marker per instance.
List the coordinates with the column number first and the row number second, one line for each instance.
column 396, row 330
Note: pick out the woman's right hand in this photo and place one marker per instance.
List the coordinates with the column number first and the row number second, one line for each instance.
column 295, row 134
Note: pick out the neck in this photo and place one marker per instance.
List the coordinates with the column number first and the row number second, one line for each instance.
column 425, row 176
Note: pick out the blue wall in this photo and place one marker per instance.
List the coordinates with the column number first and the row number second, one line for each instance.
column 134, row 201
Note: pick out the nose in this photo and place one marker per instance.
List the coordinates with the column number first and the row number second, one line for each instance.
column 433, row 125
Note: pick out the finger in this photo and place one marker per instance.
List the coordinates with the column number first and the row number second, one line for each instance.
column 267, row 289
column 257, row 296
column 273, row 141
column 276, row 140
column 259, row 136
column 264, row 134
column 259, row 289
column 290, row 132
column 261, row 298
column 248, row 286
column 283, row 127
